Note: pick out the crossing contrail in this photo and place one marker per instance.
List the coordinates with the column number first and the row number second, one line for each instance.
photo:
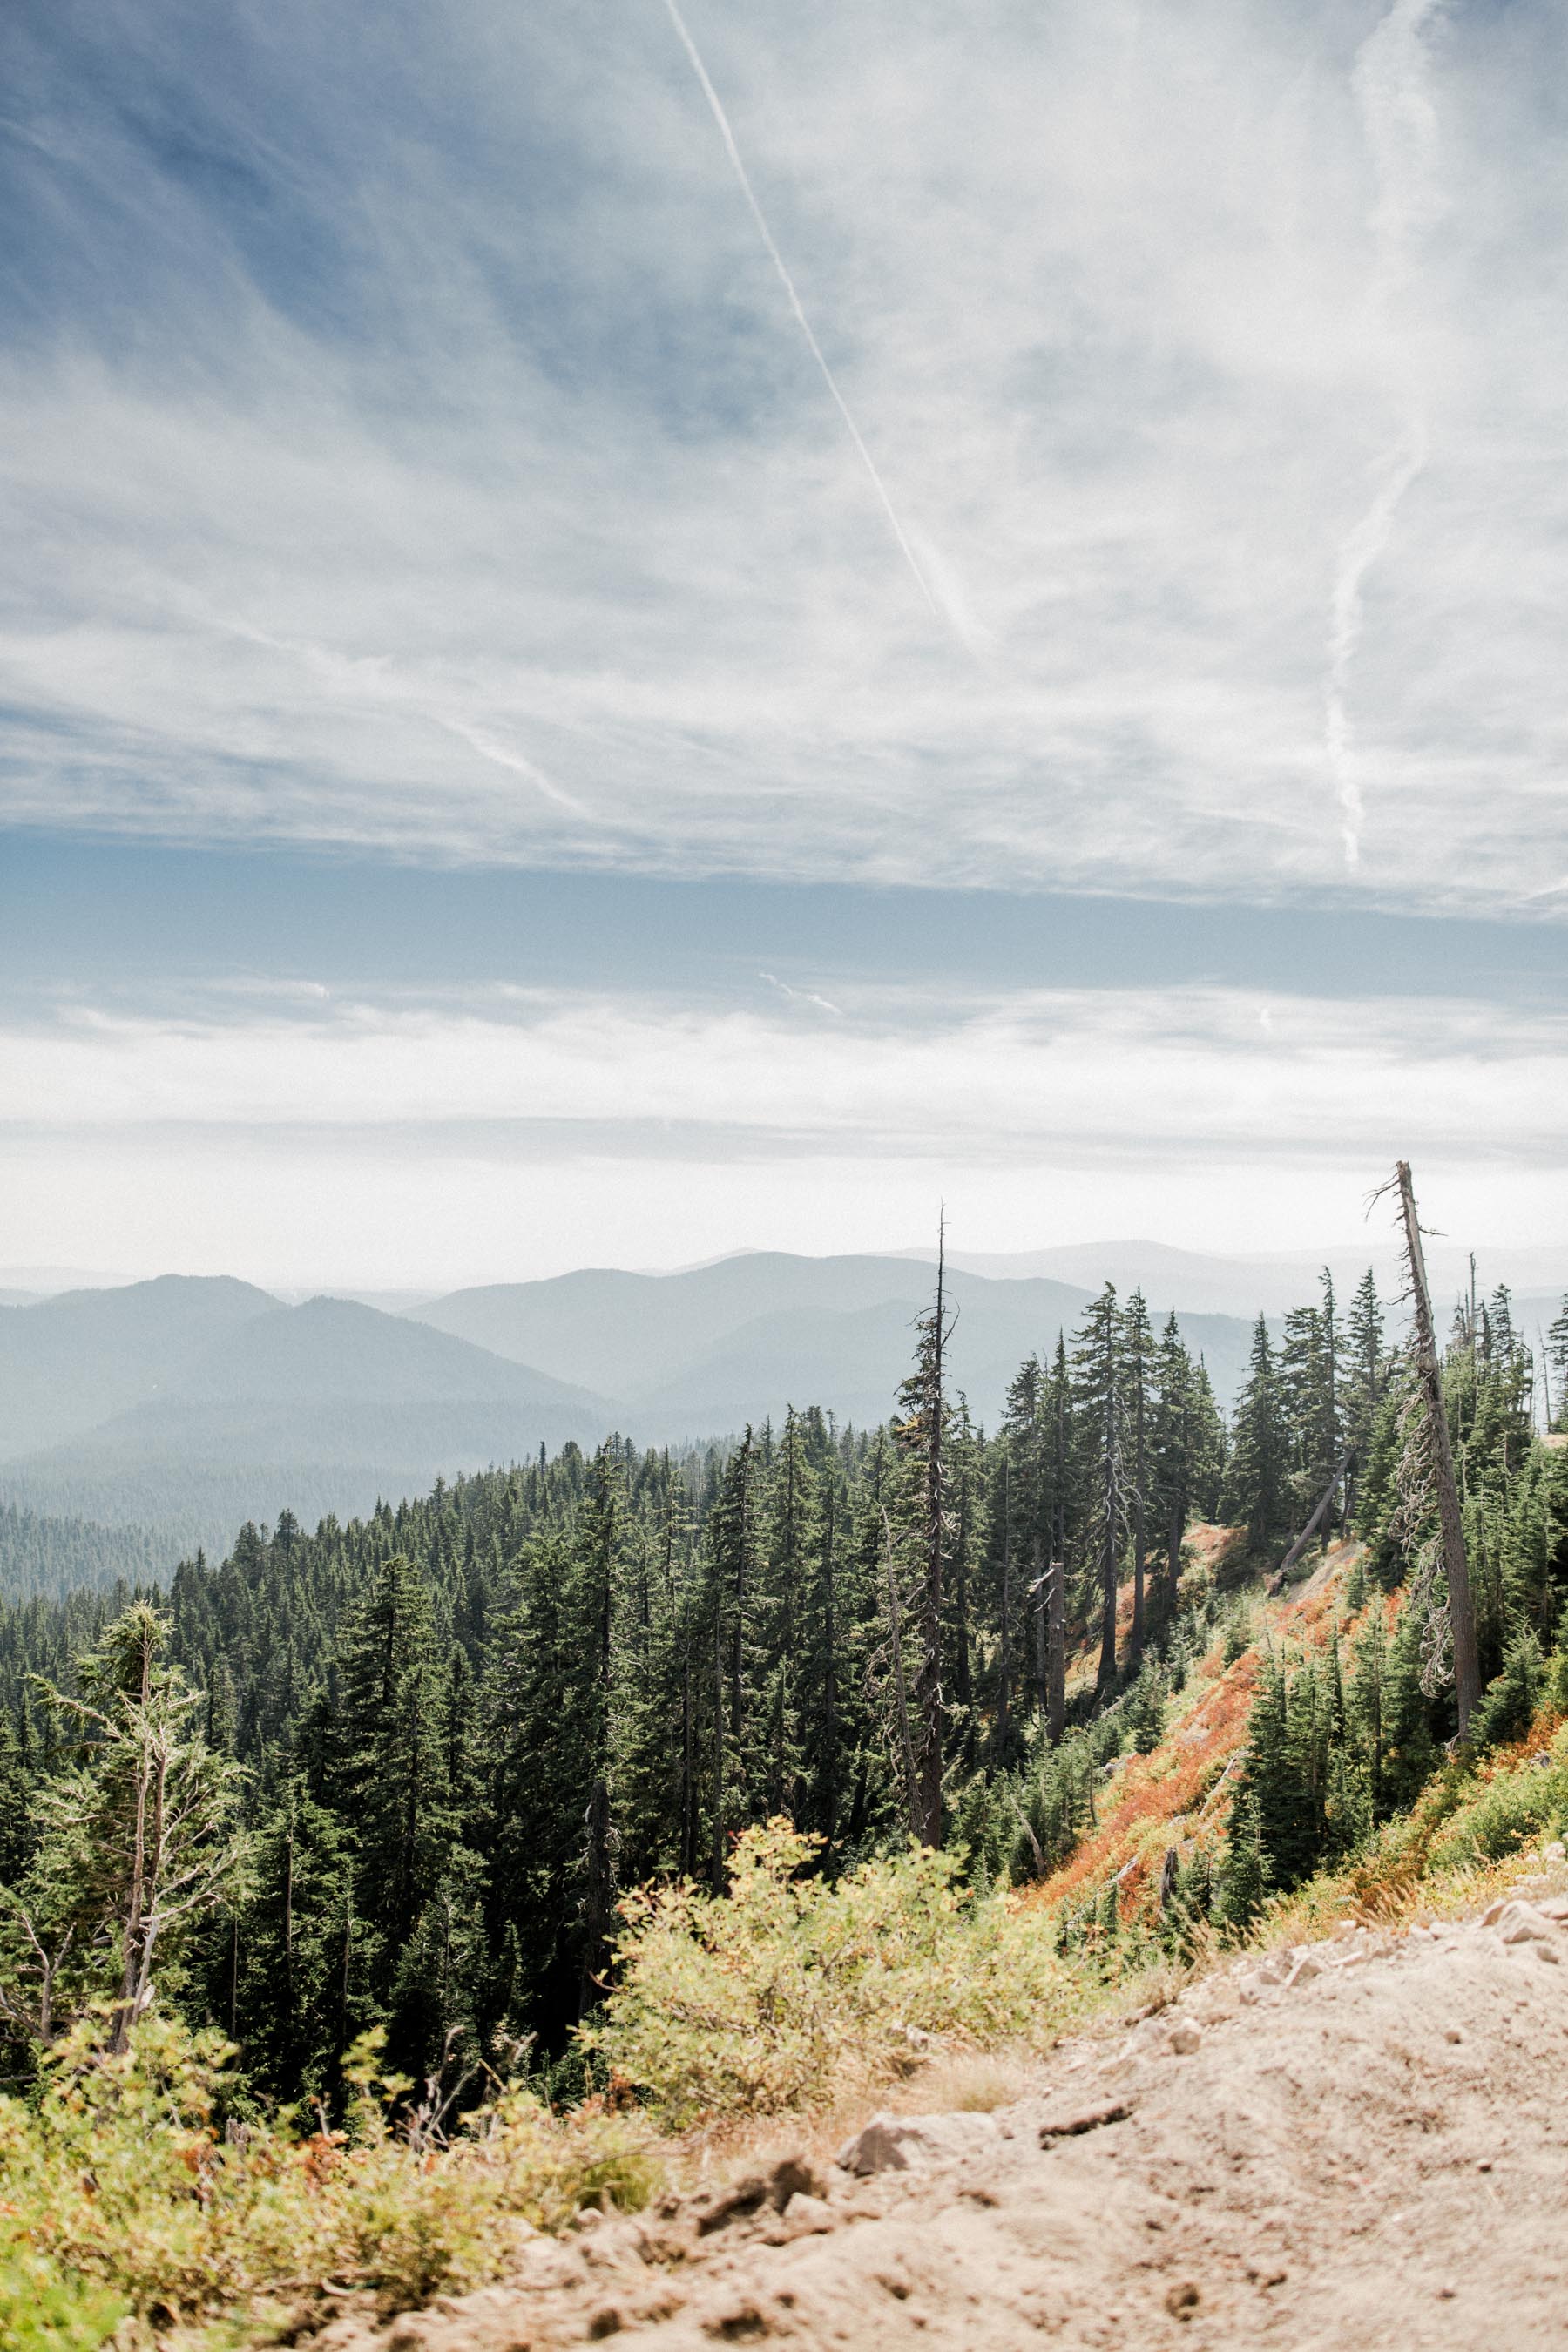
column 776, row 257
column 1401, row 129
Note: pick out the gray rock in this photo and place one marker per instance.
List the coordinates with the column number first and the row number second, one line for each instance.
column 913, row 2143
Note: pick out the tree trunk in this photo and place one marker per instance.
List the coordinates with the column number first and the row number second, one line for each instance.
column 136, row 1898
column 1138, row 1542
column 900, row 1693
column 718, row 1856
column 1057, row 1651
column 1106, row 1674
column 1428, row 1371
column 1005, row 1642
column 596, row 1908
column 927, row 1682
column 1310, row 1530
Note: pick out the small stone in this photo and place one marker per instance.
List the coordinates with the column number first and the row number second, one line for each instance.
column 1185, row 2038
column 739, row 2323
column 409, row 2334
column 732, row 2204
column 806, row 2216
column 1085, row 2119
column 909, row 2143
column 1547, row 1952
column 1182, row 2300
column 1452, row 2033
column 605, row 2321
column 792, row 2176
column 1304, row 1971
column 1520, row 1923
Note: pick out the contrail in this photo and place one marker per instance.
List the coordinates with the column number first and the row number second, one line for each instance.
column 776, row 257
column 1401, row 129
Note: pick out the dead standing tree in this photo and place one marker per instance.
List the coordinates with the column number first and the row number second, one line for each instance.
column 1439, row 1457
column 924, row 1401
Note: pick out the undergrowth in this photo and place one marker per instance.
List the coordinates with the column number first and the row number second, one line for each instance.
column 125, row 2214
column 123, row 2204
column 796, row 1991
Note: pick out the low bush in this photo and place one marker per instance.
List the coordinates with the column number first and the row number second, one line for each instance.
column 795, row 1990
column 121, row 2199
column 1524, row 1798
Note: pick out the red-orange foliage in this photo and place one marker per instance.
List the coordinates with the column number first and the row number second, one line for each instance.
column 1171, row 1789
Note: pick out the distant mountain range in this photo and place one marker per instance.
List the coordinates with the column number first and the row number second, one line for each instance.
column 187, row 1405
column 694, row 1353
column 182, row 1406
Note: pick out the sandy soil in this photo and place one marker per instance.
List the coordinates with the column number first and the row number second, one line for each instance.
column 1363, row 2142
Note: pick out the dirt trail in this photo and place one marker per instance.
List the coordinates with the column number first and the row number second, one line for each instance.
column 1364, row 2142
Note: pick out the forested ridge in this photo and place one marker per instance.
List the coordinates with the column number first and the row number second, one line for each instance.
column 434, row 1748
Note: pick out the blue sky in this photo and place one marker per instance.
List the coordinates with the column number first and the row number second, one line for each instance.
column 626, row 632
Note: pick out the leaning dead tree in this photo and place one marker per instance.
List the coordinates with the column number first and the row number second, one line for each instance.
column 1439, row 1456
column 1341, row 1468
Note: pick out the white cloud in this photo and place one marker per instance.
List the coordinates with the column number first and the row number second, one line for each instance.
column 443, row 1147
column 1077, row 1075
column 578, row 565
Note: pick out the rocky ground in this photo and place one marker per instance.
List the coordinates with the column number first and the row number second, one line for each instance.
column 1362, row 2142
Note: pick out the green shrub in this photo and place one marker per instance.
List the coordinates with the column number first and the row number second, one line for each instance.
column 120, row 2196
column 1508, row 1704
column 41, row 2312
column 794, row 1990
column 1521, row 1800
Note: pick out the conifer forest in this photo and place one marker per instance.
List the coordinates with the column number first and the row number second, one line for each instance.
column 401, row 1773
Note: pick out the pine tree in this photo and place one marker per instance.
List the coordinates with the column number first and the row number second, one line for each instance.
column 593, row 1591
column 134, row 1843
column 1138, row 1372
column 1099, row 1395
column 1556, row 1370
column 1255, row 1492
column 1365, row 1381
column 1174, row 1453
column 1023, row 1521
column 287, row 2002
column 923, row 1433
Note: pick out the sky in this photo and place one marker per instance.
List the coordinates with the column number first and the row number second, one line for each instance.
column 628, row 632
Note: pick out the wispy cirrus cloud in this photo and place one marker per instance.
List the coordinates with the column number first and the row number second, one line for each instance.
column 404, row 444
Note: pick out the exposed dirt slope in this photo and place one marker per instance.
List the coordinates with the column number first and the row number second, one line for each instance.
column 1362, row 2143
column 1179, row 1796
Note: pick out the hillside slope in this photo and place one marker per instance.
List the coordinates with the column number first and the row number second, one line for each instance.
column 704, row 1351
column 321, row 1409
column 1356, row 2142
column 69, row 1362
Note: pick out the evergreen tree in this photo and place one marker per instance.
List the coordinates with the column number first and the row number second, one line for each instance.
column 389, row 1768
column 1556, row 1370
column 1256, row 1492
column 1365, row 1378
column 1099, row 1395
column 297, row 1990
column 1137, row 1340
column 135, row 1840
